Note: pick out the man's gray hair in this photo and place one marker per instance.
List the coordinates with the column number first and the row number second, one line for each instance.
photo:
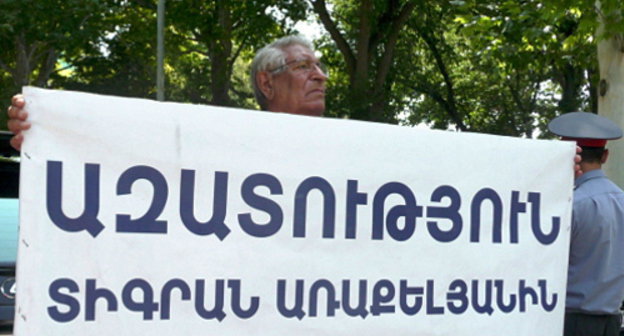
column 270, row 57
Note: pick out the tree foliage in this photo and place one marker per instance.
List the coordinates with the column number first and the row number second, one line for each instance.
column 366, row 34
column 121, row 59
column 503, row 67
column 208, row 38
column 36, row 35
column 496, row 67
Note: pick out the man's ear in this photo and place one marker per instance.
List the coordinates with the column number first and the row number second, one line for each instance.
column 265, row 84
column 605, row 156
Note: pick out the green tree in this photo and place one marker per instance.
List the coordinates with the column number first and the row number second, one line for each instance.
column 209, row 46
column 34, row 35
column 366, row 34
column 121, row 60
column 502, row 67
column 212, row 38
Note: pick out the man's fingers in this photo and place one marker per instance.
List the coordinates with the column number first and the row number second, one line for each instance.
column 16, row 113
column 577, row 158
column 18, row 100
column 17, row 126
column 16, row 141
column 13, row 125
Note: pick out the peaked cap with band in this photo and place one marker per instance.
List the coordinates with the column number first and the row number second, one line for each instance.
column 587, row 129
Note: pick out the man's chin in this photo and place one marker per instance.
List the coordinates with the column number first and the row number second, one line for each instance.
column 317, row 112
column 313, row 110
column 319, row 107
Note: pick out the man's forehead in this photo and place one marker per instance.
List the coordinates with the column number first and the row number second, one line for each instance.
column 297, row 51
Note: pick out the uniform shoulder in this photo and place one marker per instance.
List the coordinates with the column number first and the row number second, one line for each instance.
column 595, row 187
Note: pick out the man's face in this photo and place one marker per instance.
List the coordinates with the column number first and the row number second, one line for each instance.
column 297, row 89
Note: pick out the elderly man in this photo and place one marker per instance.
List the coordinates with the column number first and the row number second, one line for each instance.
column 286, row 77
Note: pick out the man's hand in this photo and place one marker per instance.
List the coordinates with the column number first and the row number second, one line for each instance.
column 17, row 120
column 577, row 160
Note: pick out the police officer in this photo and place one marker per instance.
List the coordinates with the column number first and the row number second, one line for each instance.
column 596, row 265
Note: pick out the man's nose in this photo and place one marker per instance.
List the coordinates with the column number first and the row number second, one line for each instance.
column 318, row 73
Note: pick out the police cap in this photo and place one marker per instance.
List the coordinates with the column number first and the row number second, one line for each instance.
column 587, row 129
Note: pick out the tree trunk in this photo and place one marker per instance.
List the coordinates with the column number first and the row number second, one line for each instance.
column 611, row 100
column 571, row 79
column 220, row 51
column 21, row 73
column 366, row 66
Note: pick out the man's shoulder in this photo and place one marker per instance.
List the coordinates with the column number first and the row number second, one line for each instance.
column 597, row 187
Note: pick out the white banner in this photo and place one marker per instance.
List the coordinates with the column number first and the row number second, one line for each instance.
column 147, row 218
